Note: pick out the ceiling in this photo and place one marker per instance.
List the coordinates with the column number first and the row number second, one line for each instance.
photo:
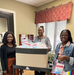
column 35, row 3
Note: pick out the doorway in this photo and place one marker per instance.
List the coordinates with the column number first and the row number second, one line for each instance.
column 10, row 15
column 10, row 21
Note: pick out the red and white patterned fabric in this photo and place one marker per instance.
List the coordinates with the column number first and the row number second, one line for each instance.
column 40, row 17
column 59, row 13
column 65, row 11
column 49, row 15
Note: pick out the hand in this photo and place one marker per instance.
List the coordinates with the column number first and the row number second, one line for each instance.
column 61, row 58
column 5, row 72
column 47, row 46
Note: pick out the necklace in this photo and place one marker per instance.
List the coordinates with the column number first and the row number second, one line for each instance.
column 40, row 38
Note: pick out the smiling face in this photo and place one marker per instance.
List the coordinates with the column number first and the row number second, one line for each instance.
column 9, row 38
column 40, row 31
column 64, row 37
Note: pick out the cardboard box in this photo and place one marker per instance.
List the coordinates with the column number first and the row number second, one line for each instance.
column 32, row 57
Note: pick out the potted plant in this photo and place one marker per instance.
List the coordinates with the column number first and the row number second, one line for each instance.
column 50, row 56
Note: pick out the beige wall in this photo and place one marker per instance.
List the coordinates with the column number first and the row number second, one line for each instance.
column 70, row 24
column 3, row 25
column 25, row 16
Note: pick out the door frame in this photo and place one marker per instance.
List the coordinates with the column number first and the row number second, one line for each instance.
column 14, row 20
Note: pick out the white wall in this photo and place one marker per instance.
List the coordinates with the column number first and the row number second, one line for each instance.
column 3, row 25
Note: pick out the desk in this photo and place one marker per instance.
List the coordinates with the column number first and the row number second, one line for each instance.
column 26, row 55
column 35, row 57
column 31, row 68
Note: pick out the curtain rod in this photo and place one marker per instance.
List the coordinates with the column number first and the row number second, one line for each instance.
column 51, row 7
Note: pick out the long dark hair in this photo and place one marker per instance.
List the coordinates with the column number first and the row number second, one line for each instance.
column 69, row 35
column 4, row 40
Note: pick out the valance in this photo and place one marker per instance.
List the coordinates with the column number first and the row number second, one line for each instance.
column 58, row 13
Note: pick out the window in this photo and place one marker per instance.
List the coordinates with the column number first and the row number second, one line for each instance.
column 60, row 25
column 52, row 30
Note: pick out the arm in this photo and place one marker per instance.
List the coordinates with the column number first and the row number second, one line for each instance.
column 56, row 53
column 48, row 44
column 2, row 58
column 63, row 57
column 70, row 59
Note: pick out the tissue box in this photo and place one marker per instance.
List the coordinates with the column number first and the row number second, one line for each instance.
column 32, row 57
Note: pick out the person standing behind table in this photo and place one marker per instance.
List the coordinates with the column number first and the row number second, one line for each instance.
column 8, row 54
column 64, row 52
column 43, row 39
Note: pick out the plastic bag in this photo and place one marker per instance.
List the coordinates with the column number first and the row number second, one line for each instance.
column 25, row 43
column 41, row 45
column 29, row 44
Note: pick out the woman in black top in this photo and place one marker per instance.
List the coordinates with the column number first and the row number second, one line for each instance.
column 8, row 54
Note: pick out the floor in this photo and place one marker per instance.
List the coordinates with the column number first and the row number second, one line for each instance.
column 26, row 72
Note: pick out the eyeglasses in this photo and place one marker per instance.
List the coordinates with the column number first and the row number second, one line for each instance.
column 40, row 30
column 9, row 37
